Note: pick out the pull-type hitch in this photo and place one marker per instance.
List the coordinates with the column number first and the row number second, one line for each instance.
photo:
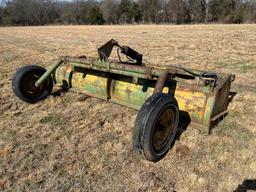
column 164, row 96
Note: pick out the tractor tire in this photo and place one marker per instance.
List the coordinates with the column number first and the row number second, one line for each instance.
column 156, row 126
column 23, row 84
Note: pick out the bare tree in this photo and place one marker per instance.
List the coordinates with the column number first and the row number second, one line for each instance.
column 197, row 10
column 109, row 9
column 150, row 10
column 42, row 12
column 178, row 12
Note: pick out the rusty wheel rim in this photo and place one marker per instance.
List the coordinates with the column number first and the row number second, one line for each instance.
column 28, row 86
column 164, row 129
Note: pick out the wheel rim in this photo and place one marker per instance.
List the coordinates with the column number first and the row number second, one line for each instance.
column 28, row 85
column 164, row 129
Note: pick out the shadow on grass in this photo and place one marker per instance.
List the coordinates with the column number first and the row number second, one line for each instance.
column 64, row 88
column 184, row 122
column 247, row 185
column 232, row 94
column 59, row 92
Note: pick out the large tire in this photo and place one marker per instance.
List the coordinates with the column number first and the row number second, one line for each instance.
column 156, row 126
column 23, row 84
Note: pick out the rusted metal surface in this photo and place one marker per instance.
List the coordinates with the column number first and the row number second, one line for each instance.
column 105, row 50
column 115, row 82
column 219, row 116
column 161, row 82
column 203, row 95
column 122, row 69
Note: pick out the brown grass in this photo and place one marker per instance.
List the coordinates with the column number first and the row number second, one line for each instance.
column 73, row 143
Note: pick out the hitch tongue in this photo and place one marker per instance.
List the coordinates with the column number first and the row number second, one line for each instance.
column 49, row 71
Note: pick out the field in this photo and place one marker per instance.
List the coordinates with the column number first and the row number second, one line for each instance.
column 70, row 142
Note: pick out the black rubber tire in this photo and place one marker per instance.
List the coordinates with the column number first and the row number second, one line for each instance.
column 148, row 122
column 23, row 84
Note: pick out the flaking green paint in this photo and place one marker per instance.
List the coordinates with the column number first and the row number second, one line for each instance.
column 198, row 100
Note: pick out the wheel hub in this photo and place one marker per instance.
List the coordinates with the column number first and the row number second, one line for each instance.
column 163, row 129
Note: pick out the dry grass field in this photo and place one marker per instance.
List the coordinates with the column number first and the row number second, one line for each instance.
column 74, row 143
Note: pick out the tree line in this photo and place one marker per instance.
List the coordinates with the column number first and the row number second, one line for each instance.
column 45, row 12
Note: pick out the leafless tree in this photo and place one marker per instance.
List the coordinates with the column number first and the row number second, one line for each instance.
column 42, row 12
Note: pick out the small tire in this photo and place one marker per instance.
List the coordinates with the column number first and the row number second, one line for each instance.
column 23, row 84
column 156, row 126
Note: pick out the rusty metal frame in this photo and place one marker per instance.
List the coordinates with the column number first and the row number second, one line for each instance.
column 131, row 85
column 188, row 88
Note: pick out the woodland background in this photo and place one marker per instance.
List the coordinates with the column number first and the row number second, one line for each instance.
column 80, row 12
